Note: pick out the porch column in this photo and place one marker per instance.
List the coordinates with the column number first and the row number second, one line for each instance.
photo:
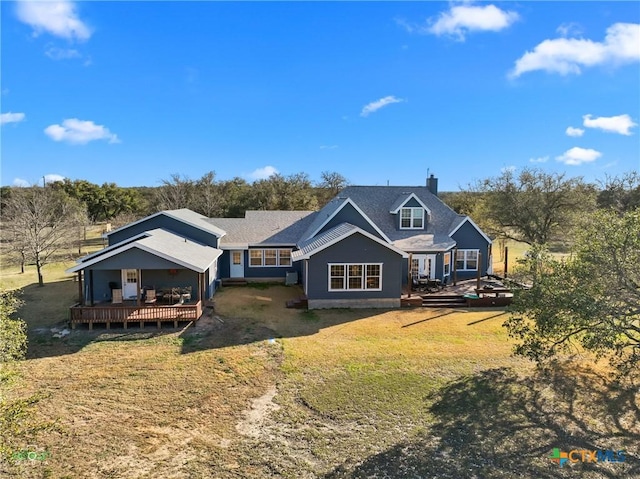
column 200, row 286
column 455, row 264
column 80, row 292
column 479, row 270
column 91, row 287
column 139, row 274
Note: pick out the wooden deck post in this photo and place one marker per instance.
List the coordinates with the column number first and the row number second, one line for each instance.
column 506, row 260
column 409, row 278
column 455, row 264
column 80, row 291
column 479, row 270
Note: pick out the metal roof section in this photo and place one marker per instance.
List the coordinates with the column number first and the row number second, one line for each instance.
column 164, row 244
column 333, row 236
column 274, row 228
column 184, row 215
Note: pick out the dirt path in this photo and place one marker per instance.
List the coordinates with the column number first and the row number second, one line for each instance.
column 256, row 415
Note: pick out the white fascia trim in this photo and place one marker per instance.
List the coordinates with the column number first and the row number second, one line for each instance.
column 472, row 224
column 412, row 195
column 145, row 234
column 127, row 247
column 167, row 213
column 346, row 235
column 367, row 219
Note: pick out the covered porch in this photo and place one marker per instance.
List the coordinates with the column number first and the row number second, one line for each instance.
column 157, row 278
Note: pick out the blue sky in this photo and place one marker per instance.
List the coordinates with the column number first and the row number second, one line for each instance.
column 131, row 92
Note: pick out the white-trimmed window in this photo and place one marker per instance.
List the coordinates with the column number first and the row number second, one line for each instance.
column 355, row 277
column 270, row 258
column 236, row 257
column 447, row 264
column 411, row 218
column 284, row 257
column 467, row 260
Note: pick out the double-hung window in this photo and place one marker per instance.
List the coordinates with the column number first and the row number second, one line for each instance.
column 273, row 257
column 411, row 218
column 467, row 260
column 355, row 277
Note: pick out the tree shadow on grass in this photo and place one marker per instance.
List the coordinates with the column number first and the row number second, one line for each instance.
column 497, row 425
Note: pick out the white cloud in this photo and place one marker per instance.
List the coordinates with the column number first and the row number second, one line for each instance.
column 79, row 132
column 11, row 118
column 568, row 55
column 571, row 131
column 577, row 156
column 570, row 29
column 263, row 173
column 541, row 159
column 20, row 183
column 462, row 19
column 52, row 177
column 614, row 124
column 376, row 105
column 57, row 18
column 56, row 53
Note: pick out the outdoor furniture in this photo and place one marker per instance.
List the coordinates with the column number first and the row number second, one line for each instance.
column 116, row 296
column 150, row 296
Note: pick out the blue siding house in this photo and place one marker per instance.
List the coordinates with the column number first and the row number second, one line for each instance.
column 359, row 250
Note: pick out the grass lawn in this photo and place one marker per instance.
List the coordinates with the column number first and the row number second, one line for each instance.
column 255, row 390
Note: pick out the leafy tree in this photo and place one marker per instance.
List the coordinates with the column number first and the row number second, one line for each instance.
column 13, row 332
column 103, row 203
column 533, row 206
column 591, row 299
column 44, row 220
column 620, row 193
column 18, row 425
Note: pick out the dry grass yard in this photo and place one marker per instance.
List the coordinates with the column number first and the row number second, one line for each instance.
column 254, row 390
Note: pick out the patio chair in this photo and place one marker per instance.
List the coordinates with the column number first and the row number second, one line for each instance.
column 150, row 296
column 116, row 296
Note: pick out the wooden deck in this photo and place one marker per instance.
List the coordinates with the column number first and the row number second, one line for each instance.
column 133, row 313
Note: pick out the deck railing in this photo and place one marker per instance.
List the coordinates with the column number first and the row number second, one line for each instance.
column 134, row 313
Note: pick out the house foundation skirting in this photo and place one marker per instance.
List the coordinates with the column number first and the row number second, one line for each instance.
column 386, row 303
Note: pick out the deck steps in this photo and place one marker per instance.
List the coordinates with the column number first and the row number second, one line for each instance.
column 444, row 301
column 299, row 303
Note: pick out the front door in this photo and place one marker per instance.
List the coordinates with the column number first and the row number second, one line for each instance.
column 236, row 269
column 130, row 283
column 423, row 265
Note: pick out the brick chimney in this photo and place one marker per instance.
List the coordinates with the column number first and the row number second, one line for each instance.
column 432, row 184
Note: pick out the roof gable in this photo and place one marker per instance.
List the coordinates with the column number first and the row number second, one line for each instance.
column 331, row 210
column 406, row 198
column 163, row 244
column 184, row 215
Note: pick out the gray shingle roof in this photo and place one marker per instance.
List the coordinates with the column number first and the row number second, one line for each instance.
column 264, row 227
column 164, row 244
column 376, row 202
column 186, row 216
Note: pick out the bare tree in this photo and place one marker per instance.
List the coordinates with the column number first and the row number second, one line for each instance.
column 44, row 221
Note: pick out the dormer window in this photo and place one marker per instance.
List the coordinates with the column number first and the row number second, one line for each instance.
column 411, row 218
